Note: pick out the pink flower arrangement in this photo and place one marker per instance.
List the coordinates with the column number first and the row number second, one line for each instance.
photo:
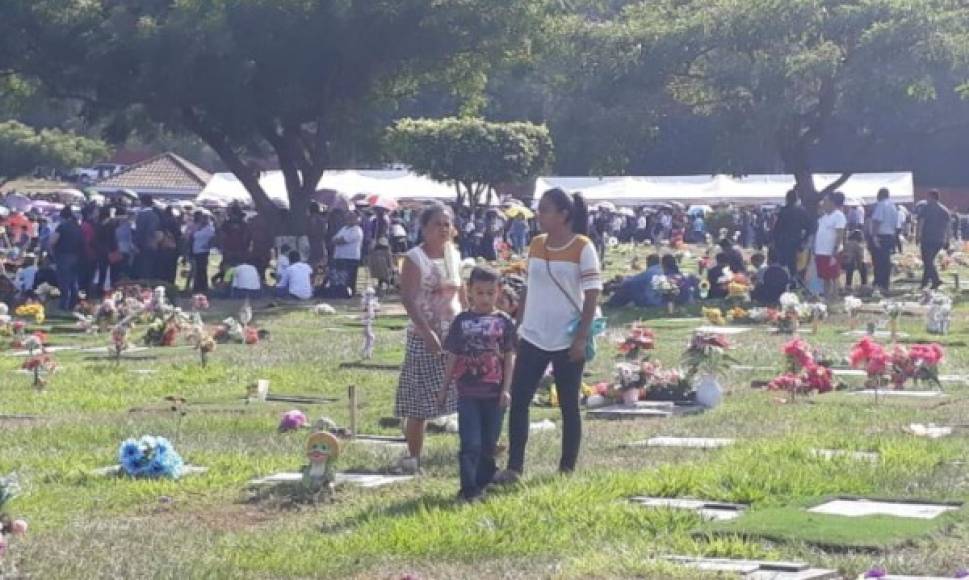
column 918, row 362
column 869, row 355
column 292, row 421
column 798, row 352
column 804, row 375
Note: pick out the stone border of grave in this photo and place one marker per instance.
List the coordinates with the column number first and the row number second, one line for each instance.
column 115, row 471
column 359, row 479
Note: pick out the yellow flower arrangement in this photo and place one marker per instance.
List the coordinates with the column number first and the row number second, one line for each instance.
column 737, row 313
column 32, row 309
column 714, row 316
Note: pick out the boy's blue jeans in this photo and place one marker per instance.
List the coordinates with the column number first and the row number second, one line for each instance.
column 479, row 424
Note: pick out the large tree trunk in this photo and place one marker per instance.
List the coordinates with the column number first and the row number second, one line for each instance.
column 247, row 175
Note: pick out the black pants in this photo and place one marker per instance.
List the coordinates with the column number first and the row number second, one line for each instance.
column 350, row 268
column 104, row 271
column 529, row 368
column 787, row 257
column 930, row 276
column 850, row 273
column 881, row 257
column 201, row 272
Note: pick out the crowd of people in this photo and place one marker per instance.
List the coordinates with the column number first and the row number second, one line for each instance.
column 85, row 251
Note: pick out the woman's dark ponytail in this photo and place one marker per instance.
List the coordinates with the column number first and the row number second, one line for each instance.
column 580, row 215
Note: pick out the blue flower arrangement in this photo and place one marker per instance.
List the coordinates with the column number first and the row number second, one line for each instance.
column 150, row 457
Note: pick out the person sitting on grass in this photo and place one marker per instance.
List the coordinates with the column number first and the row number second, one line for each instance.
column 717, row 290
column 639, row 289
column 771, row 284
column 282, row 261
column 243, row 280
column 24, row 280
column 297, row 279
column 758, row 265
column 480, row 348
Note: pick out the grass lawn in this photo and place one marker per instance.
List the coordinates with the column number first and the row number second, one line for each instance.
column 581, row 526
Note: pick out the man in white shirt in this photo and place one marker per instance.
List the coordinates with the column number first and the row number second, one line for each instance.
column 883, row 235
column 297, row 280
column 348, row 243
column 24, row 280
column 244, row 280
column 903, row 228
column 828, row 242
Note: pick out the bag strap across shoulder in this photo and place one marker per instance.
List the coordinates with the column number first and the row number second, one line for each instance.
column 548, row 267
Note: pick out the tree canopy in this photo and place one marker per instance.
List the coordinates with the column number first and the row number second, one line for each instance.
column 775, row 80
column 471, row 153
column 249, row 76
column 22, row 149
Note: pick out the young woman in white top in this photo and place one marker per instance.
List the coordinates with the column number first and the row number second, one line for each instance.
column 432, row 293
column 564, row 283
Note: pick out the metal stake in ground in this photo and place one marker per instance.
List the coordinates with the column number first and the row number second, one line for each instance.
column 352, row 396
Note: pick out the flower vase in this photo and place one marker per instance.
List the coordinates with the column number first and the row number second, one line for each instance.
column 709, row 393
column 670, row 307
column 630, row 397
column 893, row 327
column 816, row 326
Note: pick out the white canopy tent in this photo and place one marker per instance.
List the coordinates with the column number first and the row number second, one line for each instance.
column 225, row 188
column 704, row 189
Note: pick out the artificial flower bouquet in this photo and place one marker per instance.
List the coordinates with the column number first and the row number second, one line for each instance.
column 9, row 489
column 803, row 374
column 638, row 340
column 706, row 353
column 32, row 309
column 150, row 458
column 664, row 384
column 714, row 316
column 919, row 362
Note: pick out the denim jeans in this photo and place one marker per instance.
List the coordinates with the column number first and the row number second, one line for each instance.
column 479, row 424
column 67, row 271
column 530, row 365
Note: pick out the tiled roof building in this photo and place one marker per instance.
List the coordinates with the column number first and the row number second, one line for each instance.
column 166, row 176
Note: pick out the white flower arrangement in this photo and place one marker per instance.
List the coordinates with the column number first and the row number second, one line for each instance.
column 852, row 305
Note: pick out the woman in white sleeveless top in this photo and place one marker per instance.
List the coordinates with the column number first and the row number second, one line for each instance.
column 433, row 294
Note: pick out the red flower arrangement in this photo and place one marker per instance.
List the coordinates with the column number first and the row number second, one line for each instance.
column 639, row 339
column 918, row 362
column 804, row 374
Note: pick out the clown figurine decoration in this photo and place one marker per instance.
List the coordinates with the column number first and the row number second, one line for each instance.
column 322, row 450
column 369, row 303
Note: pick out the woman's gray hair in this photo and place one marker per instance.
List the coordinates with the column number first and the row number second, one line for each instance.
column 432, row 210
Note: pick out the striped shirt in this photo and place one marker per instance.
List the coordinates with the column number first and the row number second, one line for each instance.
column 548, row 311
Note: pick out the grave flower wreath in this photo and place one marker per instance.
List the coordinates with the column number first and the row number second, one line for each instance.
column 150, row 457
column 9, row 489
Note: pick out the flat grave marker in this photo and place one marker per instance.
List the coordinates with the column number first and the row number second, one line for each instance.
column 877, row 334
column 708, row 510
column 930, row 431
column 757, row 569
column 726, row 330
column 644, row 410
column 115, row 471
column 901, row 394
column 844, row 454
column 854, row 508
column 361, row 480
column 685, row 442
